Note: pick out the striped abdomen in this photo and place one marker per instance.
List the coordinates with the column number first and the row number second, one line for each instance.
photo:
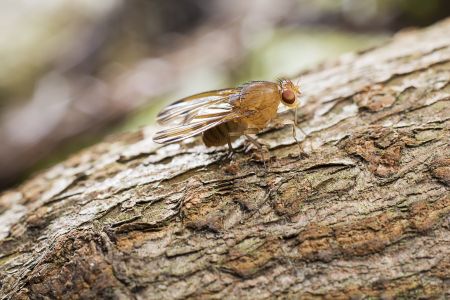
column 219, row 135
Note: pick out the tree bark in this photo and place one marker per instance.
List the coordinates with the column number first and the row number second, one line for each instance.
column 365, row 214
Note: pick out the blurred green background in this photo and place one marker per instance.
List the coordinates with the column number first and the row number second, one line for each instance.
column 73, row 71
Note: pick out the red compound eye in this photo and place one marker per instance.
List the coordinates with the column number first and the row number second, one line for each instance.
column 288, row 96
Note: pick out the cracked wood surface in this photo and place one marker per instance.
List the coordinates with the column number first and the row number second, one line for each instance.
column 365, row 215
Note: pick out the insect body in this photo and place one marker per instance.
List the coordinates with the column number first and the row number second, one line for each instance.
column 221, row 116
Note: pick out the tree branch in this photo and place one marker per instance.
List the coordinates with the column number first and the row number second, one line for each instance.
column 365, row 215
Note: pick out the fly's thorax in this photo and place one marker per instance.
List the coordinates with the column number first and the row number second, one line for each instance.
column 259, row 103
column 259, row 94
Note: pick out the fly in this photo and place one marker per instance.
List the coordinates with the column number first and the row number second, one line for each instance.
column 221, row 116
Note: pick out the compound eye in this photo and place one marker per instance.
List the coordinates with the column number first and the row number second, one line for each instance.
column 288, row 96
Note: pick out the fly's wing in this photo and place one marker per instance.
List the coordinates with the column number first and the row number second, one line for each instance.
column 185, row 110
column 196, row 114
column 197, row 125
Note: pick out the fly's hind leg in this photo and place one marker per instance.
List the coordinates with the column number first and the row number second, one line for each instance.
column 230, row 147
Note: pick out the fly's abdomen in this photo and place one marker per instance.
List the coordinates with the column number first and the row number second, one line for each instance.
column 215, row 136
column 220, row 134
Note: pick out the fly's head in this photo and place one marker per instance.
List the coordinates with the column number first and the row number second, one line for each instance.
column 290, row 93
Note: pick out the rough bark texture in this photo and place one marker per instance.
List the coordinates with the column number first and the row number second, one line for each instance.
column 365, row 215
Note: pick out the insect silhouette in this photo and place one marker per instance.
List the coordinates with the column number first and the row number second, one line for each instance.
column 221, row 116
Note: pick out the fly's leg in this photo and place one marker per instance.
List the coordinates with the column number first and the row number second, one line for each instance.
column 260, row 147
column 251, row 140
column 230, row 147
column 293, row 126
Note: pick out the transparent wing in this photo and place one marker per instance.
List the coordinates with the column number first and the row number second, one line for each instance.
column 197, row 125
column 184, row 110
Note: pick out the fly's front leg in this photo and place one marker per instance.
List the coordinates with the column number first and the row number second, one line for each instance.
column 280, row 121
